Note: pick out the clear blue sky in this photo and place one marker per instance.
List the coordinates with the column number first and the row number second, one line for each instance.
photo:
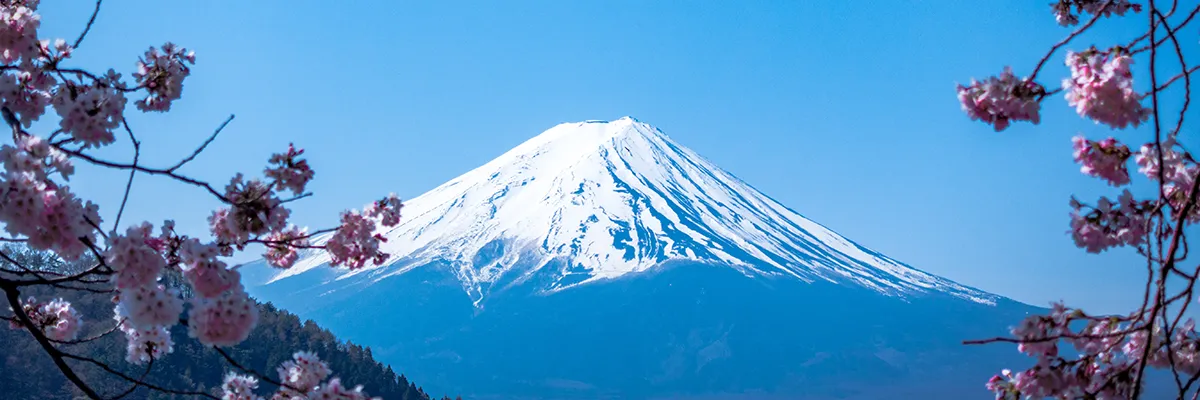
column 843, row 111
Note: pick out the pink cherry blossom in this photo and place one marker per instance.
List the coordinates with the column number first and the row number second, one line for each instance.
column 1177, row 171
column 1104, row 159
column 289, row 171
column 27, row 92
column 303, row 373
column 1101, row 88
column 150, row 305
column 145, row 344
column 34, row 155
column 239, row 387
column 1065, row 17
column 355, row 242
column 162, row 72
column 255, row 210
column 282, row 245
column 136, row 263
column 1000, row 100
column 50, row 216
column 57, row 319
column 223, row 320
column 334, row 390
column 209, row 276
column 19, row 23
column 386, row 209
column 1108, row 224
column 89, row 113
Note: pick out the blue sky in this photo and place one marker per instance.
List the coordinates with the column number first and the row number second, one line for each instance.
column 844, row 112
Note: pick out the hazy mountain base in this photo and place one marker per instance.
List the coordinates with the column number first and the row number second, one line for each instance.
column 686, row 330
column 30, row 374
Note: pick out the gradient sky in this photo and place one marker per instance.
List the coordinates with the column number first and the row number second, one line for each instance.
column 842, row 111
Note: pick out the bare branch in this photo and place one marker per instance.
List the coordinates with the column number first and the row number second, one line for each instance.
column 202, row 146
column 87, row 28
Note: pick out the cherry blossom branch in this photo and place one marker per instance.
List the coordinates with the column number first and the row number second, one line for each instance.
column 1189, row 18
column 116, row 327
column 137, row 153
column 151, row 171
column 202, row 146
column 138, row 383
column 130, row 379
column 1065, row 41
column 12, row 295
column 1187, row 85
column 87, row 28
column 228, row 358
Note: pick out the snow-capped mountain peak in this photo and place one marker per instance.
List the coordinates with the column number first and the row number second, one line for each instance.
column 597, row 200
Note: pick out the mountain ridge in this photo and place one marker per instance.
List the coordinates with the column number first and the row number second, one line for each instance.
column 618, row 197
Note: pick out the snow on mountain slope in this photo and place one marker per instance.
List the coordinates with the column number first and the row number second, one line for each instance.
column 609, row 198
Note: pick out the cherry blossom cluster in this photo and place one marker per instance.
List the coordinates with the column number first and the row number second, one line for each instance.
column 355, row 242
column 222, row 313
column 143, row 344
column 1109, row 224
column 1065, row 10
column 19, row 23
column 255, row 210
column 49, row 215
column 38, row 207
column 386, row 209
column 1104, row 159
column 1101, row 88
column 162, row 72
column 289, row 171
column 301, row 377
column 89, row 113
column 1108, row 351
column 55, row 318
column 27, row 92
column 999, row 101
column 281, row 246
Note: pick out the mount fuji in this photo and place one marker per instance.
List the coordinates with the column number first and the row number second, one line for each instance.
column 601, row 259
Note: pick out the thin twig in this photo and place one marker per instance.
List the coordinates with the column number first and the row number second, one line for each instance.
column 87, row 28
column 202, row 146
column 137, row 153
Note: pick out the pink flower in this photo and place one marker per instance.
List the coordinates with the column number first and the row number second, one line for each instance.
column 386, row 209
column 57, row 319
column 334, row 390
column 1108, row 226
column 27, row 92
column 136, row 263
column 1104, row 159
column 255, row 211
column 1176, row 170
column 162, row 73
column 303, row 372
column 50, row 216
column 19, row 23
column 149, row 306
column 281, row 246
column 145, row 344
column 290, row 172
column 89, row 113
column 355, row 242
column 1101, row 88
column 1000, row 100
column 1062, row 9
column 34, row 155
column 224, row 320
column 239, row 387
column 207, row 275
